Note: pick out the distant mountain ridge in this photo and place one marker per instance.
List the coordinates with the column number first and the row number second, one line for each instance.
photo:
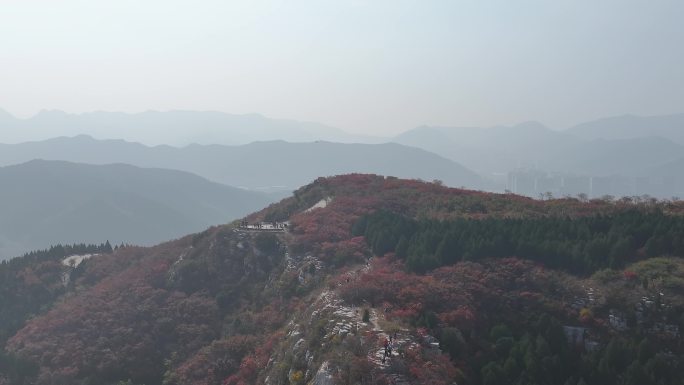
column 623, row 151
column 49, row 202
column 274, row 165
column 176, row 127
column 184, row 127
column 530, row 144
column 623, row 147
column 489, row 150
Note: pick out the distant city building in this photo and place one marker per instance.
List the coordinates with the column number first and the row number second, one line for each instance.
column 538, row 183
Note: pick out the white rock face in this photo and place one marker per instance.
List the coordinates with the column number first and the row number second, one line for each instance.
column 75, row 260
column 72, row 262
column 319, row 205
column 323, row 376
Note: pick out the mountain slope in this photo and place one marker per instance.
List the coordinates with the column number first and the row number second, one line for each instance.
column 260, row 165
column 629, row 126
column 672, row 173
column 490, row 150
column 315, row 303
column 501, row 149
column 629, row 157
column 50, row 202
column 675, row 167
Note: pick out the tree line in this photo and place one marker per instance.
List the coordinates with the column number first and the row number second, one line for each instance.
column 543, row 356
column 579, row 245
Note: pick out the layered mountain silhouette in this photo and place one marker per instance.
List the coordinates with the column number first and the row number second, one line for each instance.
column 254, row 151
column 177, row 128
column 49, row 202
column 490, row 150
column 623, row 158
column 274, row 165
column 500, row 149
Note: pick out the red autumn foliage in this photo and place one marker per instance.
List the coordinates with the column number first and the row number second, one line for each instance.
column 430, row 367
column 350, row 250
column 250, row 365
column 211, row 364
column 458, row 294
column 133, row 318
column 357, row 194
column 630, row 275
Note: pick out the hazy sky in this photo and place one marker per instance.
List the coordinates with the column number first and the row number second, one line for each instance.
column 378, row 67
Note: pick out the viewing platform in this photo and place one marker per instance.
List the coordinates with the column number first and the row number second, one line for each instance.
column 264, row 226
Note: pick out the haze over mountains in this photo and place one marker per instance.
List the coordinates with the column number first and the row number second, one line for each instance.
column 635, row 161
column 625, row 155
column 341, row 193
column 90, row 190
column 177, row 128
column 80, row 189
column 630, row 126
column 44, row 203
column 531, row 143
column 275, row 165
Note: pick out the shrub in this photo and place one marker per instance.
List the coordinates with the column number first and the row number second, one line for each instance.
column 366, row 315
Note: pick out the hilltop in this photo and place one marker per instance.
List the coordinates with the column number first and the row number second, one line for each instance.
column 473, row 288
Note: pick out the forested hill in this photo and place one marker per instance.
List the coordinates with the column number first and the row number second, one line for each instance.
column 470, row 287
